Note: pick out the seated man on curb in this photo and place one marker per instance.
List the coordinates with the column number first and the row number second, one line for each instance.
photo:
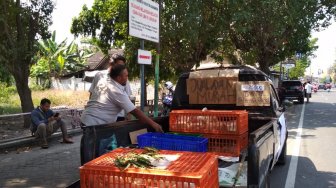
column 45, row 122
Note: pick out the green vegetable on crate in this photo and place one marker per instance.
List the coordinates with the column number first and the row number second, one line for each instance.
column 136, row 160
column 150, row 150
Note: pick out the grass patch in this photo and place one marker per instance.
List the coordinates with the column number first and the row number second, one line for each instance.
column 9, row 109
column 70, row 99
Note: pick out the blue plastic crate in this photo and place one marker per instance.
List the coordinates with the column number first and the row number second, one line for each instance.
column 173, row 142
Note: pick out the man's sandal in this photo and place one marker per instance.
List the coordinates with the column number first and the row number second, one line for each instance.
column 45, row 146
column 67, row 141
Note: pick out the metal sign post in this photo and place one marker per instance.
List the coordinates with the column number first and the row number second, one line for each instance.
column 144, row 58
column 285, row 66
column 143, row 23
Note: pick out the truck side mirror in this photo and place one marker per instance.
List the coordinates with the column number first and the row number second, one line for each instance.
column 282, row 109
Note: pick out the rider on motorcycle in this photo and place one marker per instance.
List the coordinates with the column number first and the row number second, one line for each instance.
column 167, row 99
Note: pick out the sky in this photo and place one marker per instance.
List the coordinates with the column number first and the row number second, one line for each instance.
column 62, row 16
column 326, row 53
column 67, row 9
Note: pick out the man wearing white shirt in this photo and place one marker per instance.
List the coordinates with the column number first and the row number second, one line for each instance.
column 115, row 59
column 308, row 88
column 109, row 97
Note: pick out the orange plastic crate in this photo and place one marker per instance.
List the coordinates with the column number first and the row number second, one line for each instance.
column 210, row 121
column 190, row 170
column 227, row 145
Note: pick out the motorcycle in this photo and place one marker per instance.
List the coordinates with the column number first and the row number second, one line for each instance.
column 167, row 99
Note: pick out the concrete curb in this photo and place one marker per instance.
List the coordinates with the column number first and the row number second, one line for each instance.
column 15, row 143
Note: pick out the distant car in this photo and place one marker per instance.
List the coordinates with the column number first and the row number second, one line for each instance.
column 293, row 90
column 322, row 86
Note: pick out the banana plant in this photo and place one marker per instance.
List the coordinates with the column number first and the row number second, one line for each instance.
column 55, row 60
column 52, row 53
column 75, row 58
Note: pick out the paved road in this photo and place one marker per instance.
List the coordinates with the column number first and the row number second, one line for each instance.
column 35, row 167
column 311, row 150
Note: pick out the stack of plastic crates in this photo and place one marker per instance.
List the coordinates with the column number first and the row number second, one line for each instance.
column 173, row 142
column 189, row 170
column 227, row 131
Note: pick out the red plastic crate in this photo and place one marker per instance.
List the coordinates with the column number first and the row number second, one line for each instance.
column 227, row 145
column 210, row 121
column 190, row 170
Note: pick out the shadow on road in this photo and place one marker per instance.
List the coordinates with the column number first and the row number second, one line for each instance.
column 309, row 176
column 316, row 115
column 320, row 113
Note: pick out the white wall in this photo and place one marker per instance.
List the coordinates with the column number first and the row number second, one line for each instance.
column 77, row 84
column 72, row 83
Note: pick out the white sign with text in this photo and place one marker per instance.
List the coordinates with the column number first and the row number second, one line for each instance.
column 288, row 66
column 144, row 20
column 144, row 57
column 245, row 87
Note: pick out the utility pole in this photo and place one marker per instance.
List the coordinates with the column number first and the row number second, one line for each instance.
column 311, row 74
column 142, row 79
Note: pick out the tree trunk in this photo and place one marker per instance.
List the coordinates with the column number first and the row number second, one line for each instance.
column 265, row 69
column 21, row 75
column 264, row 65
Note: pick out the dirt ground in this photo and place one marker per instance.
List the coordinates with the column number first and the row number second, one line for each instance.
column 13, row 131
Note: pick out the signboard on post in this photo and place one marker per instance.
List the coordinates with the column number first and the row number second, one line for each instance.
column 290, row 63
column 144, row 57
column 143, row 20
column 288, row 66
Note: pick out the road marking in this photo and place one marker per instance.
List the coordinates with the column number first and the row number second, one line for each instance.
column 290, row 180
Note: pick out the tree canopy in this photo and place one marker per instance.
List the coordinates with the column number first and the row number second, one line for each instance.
column 21, row 25
column 332, row 71
column 267, row 32
column 188, row 32
column 5, row 77
column 248, row 32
